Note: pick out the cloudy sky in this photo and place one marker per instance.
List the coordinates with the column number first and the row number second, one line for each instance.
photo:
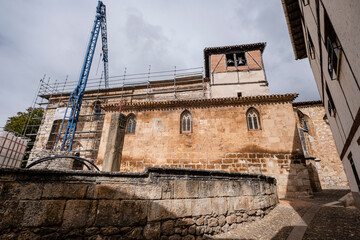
column 49, row 37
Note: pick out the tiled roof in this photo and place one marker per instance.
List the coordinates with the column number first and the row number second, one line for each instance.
column 242, row 47
column 200, row 103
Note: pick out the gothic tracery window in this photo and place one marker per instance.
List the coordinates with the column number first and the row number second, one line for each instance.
column 185, row 122
column 131, row 125
column 253, row 119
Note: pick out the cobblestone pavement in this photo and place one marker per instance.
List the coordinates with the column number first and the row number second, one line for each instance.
column 331, row 220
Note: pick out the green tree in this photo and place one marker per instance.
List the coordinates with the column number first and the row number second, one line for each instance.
column 26, row 123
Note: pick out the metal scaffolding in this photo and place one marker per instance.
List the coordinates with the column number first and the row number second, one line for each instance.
column 53, row 95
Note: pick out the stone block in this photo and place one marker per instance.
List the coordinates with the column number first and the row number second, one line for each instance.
column 250, row 200
column 239, row 203
column 114, row 191
column 11, row 214
column 222, row 220
column 219, row 205
column 259, row 202
column 148, row 191
column 186, row 189
column 91, row 231
column 206, row 189
column 152, row 231
column 167, row 188
column 108, row 213
column 239, row 219
column 230, row 204
column 42, row 212
column 234, row 188
column 10, row 190
column 188, row 237
column 231, row 219
column 109, row 230
column 27, row 235
column 167, row 227
column 256, row 187
column 133, row 212
column 221, row 188
column 135, row 233
column 76, row 213
column 268, row 189
column 213, row 222
column 121, row 213
column 160, row 210
column 200, row 230
column 184, row 222
column 246, row 188
column 201, row 207
column 64, row 190
column 181, row 207
column 192, row 229
column 115, row 142
column 175, row 237
column 200, row 221
column 30, row 191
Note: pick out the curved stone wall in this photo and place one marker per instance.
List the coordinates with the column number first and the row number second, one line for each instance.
column 158, row 203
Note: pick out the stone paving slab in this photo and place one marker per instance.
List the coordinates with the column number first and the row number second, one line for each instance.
column 318, row 218
column 277, row 225
column 334, row 223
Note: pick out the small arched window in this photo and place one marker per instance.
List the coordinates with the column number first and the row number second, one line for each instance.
column 97, row 111
column 131, row 124
column 185, row 122
column 253, row 119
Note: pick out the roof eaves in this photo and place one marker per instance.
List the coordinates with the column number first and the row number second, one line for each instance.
column 197, row 103
column 294, row 28
column 223, row 49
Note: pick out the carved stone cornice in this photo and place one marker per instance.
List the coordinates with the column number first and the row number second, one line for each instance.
column 202, row 103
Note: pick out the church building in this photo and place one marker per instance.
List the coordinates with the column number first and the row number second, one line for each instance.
column 222, row 118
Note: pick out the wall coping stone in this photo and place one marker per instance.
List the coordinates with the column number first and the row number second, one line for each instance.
column 150, row 172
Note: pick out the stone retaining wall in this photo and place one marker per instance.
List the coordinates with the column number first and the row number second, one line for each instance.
column 160, row 203
column 290, row 170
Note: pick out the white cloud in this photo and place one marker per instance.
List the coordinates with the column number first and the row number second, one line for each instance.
column 41, row 36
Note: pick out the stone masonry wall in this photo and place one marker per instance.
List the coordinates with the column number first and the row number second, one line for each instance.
column 289, row 170
column 56, row 164
column 158, row 203
column 329, row 167
column 219, row 140
column 47, row 134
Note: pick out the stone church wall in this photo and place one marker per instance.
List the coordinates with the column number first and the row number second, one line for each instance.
column 220, row 140
column 328, row 165
column 158, row 203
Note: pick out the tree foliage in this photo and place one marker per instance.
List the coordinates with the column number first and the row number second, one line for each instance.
column 18, row 123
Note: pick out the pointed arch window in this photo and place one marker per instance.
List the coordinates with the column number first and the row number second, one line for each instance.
column 185, row 122
column 253, row 119
column 131, row 125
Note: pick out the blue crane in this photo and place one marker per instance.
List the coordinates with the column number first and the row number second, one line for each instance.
column 76, row 97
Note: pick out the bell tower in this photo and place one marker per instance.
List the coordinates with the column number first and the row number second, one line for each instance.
column 236, row 71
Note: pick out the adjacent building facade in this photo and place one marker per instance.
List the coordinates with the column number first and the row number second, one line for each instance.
column 327, row 33
column 223, row 119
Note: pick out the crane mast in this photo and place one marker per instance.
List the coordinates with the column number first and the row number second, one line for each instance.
column 104, row 43
column 76, row 97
